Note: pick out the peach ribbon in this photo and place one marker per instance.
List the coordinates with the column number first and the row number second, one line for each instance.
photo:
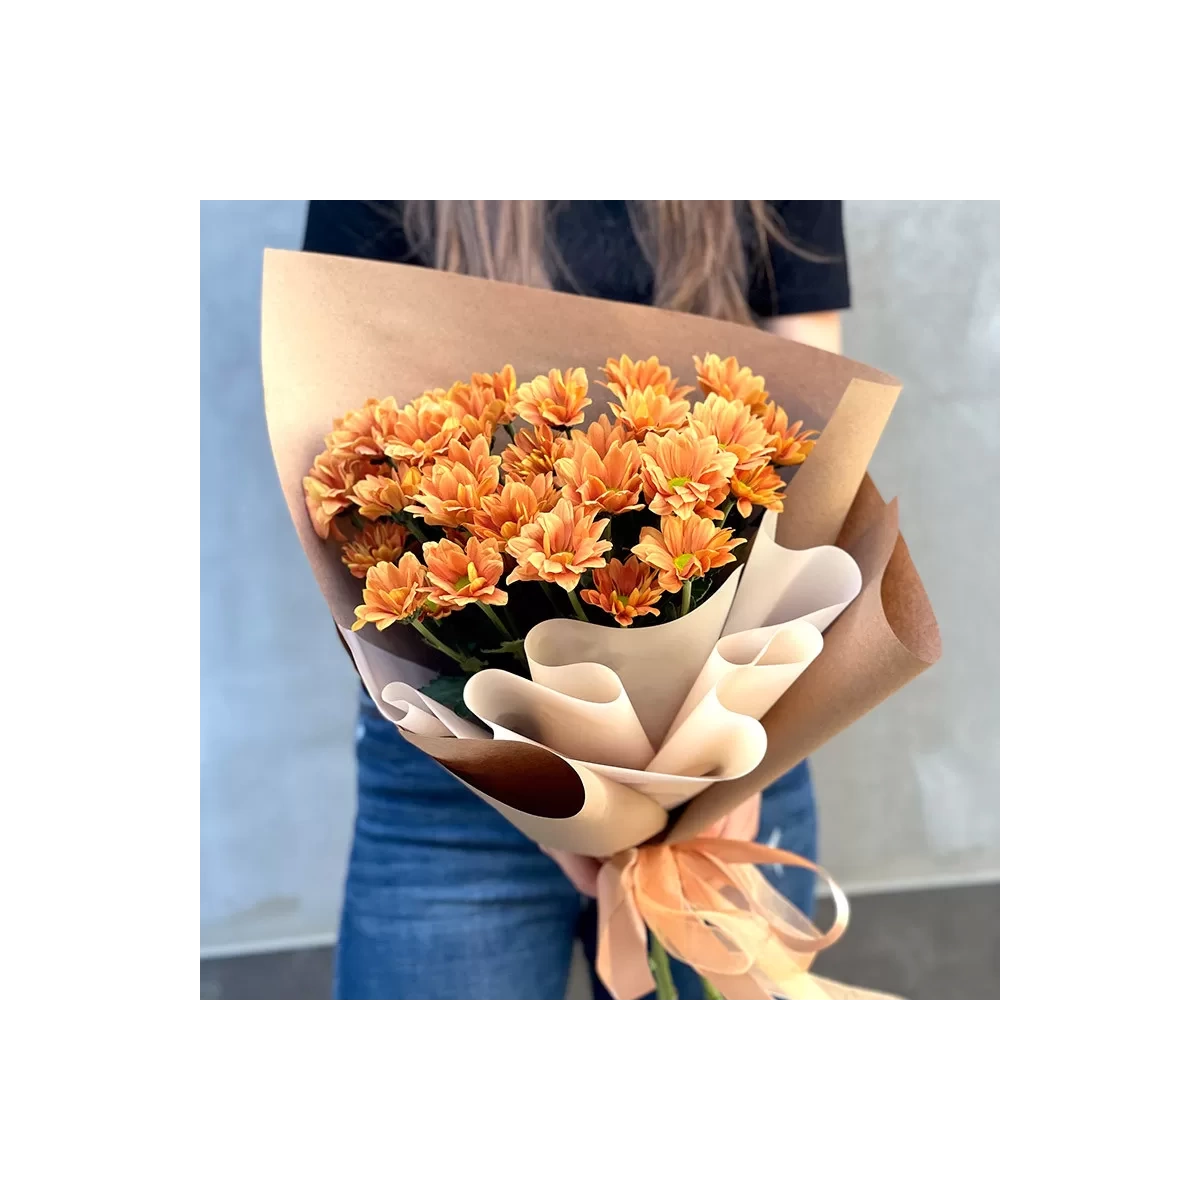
column 711, row 908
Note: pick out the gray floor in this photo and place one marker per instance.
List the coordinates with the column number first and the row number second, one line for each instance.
column 941, row 944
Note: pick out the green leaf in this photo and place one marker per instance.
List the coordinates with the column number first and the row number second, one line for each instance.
column 448, row 690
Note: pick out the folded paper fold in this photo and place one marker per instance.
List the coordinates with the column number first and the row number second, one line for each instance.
column 882, row 641
column 657, row 666
column 781, row 583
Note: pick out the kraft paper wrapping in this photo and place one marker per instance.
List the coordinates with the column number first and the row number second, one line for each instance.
column 882, row 641
column 559, row 804
column 591, row 684
column 555, row 803
column 339, row 331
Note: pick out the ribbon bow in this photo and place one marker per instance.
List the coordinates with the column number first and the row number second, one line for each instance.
column 711, row 908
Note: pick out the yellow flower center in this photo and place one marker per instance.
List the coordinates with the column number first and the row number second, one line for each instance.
column 679, row 481
column 682, row 560
column 464, row 582
column 621, row 600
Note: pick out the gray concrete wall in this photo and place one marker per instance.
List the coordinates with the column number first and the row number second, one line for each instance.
column 277, row 696
column 909, row 794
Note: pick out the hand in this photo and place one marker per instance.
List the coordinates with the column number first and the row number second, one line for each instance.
column 581, row 871
column 741, row 824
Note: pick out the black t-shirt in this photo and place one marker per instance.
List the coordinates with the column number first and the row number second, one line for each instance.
column 595, row 241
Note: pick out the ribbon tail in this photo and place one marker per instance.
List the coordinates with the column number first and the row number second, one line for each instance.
column 843, row 991
column 621, row 954
column 738, row 987
column 803, row 987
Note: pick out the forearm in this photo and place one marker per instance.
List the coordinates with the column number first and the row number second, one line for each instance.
column 823, row 330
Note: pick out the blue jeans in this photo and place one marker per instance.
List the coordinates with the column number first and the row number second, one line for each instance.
column 445, row 900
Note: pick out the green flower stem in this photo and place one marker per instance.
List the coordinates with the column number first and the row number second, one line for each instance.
column 660, row 966
column 579, row 613
column 726, row 509
column 437, row 643
column 505, row 632
column 510, row 623
column 414, row 528
column 710, row 992
column 549, row 594
column 686, row 603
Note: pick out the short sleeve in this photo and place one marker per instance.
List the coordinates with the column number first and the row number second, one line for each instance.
column 357, row 229
column 796, row 284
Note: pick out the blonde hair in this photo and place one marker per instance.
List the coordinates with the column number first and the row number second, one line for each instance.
column 695, row 247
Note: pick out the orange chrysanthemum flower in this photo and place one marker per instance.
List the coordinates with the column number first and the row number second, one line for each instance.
column 736, row 429
column 451, row 490
column 385, row 492
column 601, row 435
column 626, row 377
column 626, row 590
column 649, row 411
column 685, row 474
column 790, row 445
column 559, row 546
column 503, row 385
column 476, row 408
column 685, row 548
column 478, row 458
column 760, row 485
column 358, row 432
column 534, row 452
column 394, row 591
column 503, row 514
column 376, row 542
column 328, row 487
column 424, row 429
column 723, row 377
column 609, row 483
column 461, row 575
column 554, row 399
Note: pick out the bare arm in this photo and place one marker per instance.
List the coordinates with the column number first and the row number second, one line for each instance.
column 823, row 330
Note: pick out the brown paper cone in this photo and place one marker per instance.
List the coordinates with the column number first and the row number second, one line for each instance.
column 339, row 331
column 885, row 639
column 820, row 496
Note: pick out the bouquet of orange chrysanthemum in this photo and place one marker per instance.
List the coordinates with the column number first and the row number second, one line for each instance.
column 634, row 518
column 614, row 626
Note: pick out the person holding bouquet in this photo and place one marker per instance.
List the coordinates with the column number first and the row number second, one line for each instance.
column 444, row 898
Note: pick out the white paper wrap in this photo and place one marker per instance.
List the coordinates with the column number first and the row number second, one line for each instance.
column 658, row 713
column 780, row 584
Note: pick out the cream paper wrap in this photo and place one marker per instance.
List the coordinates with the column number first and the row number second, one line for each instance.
column 339, row 331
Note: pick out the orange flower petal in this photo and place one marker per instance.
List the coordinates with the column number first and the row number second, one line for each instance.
column 555, row 399
column 559, row 546
column 685, row 548
column 627, row 590
column 462, row 575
